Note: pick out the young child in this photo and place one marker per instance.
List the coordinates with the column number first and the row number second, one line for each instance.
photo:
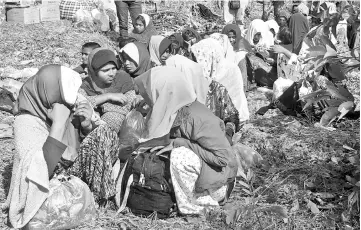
column 85, row 51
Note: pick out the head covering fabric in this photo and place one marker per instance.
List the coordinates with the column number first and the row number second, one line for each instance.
column 148, row 32
column 179, row 38
column 132, row 51
column 141, row 54
column 120, row 83
column 193, row 31
column 51, row 84
column 223, row 40
column 194, row 74
column 272, row 24
column 299, row 29
column 241, row 43
column 101, row 57
column 259, row 26
column 210, row 55
column 166, row 90
column 303, row 9
column 154, row 46
column 285, row 14
column 146, row 19
column 164, row 45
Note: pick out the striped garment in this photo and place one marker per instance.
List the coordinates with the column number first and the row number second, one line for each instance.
column 68, row 8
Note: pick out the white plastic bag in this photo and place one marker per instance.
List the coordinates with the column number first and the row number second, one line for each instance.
column 70, row 203
column 280, row 86
column 82, row 15
column 101, row 18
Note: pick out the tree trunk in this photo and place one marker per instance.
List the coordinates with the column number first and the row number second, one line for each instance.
column 277, row 5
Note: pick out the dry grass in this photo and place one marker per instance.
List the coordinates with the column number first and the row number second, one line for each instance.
column 45, row 43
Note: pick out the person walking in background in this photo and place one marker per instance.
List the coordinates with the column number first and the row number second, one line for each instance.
column 234, row 10
column 134, row 7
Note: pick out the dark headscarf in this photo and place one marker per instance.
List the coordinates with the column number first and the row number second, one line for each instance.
column 179, row 38
column 98, row 58
column 163, row 46
column 51, row 84
column 241, row 42
column 299, row 29
column 193, row 31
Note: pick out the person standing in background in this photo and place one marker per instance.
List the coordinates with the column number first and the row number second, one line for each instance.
column 233, row 10
column 134, row 7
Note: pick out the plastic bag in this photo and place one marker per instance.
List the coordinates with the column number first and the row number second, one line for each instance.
column 82, row 15
column 280, row 86
column 70, row 203
column 130, row 132
column 101, row 18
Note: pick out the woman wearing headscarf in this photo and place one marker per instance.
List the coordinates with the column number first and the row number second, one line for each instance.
column 46, row 131
column 228, row 51
column 158, row 45
column 210, row 54
column 110, row 91
column 143, row 29
column 283, row 19
column 135, row 58
column 193, row 73
column 214, row 95
column 177, row 44
column 274, row 28
column 259, row 34
column 260, row 63
column 191, row 37
column 196, row 140
column 241, row 47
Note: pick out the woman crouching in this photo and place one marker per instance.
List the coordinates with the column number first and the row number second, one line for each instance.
column 202, row 163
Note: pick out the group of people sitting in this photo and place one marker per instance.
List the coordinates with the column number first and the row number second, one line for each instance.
column 191, row 91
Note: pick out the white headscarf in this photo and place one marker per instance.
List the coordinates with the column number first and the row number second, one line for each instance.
column 154, row 49
column 146, row 19
column 272, row 24
column 166, row 90
column 223, row 40
column 132, row 51
column 194, row 73
column 210, row 55
column 259, row 26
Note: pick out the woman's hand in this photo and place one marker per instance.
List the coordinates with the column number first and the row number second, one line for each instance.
column 117, row 98
column 270, row 61
column 163, row 149
column 138, row 101
column 84, row 111
column 59, row 114
column 277, row 49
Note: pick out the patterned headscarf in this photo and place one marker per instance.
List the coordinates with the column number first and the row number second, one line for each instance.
column 210, row 55
column 223, row 40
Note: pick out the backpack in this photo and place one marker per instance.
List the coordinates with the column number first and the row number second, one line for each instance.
column 150, row 190
column 234, row 4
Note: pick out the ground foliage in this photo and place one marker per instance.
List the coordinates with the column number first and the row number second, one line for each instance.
column 309, row 178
